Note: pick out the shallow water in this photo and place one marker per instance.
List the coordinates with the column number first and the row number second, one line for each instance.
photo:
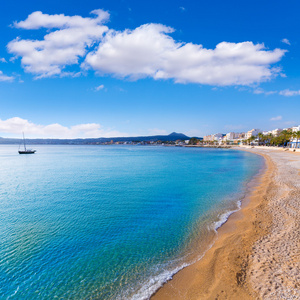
column 109, row 222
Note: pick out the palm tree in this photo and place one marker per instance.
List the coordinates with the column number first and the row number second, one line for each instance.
column 296, row 135
column 251, row 139
column 260, row 137
column 285, row 137
column 270, row 137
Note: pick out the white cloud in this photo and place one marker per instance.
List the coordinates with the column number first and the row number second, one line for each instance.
column 131, row 53
column 18, row 125
column 5, row 77
column 286, row 92
column 38, row 20
column 271, row 93
column 261, row 91
column 286, row 41
column 289, row 93
column 182, row 8
column 258, row 91
column 146, row 51
column 278, row 118
column 149, row 51
column 100, row 87
column 59, row 48
column 3, row 60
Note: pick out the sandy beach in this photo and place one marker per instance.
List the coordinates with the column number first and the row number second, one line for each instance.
column 256, row 255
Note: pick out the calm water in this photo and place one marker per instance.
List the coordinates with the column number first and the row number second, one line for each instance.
column 109, row 222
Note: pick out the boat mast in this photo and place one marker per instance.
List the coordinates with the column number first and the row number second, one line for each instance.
column 24, row 141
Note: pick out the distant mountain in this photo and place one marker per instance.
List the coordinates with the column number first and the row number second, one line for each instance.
column 171, row 137
column 178, row 136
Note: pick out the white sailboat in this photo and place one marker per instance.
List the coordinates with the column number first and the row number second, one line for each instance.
column 26, row 151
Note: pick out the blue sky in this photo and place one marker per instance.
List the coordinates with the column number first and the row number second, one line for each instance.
column 124, row 68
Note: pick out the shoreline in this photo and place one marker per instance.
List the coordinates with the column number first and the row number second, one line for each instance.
column 228, row 270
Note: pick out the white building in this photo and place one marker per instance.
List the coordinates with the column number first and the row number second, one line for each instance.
column 207, row 138
column 230, row 136
column 241, row 135
column 276, row 132
column 213, row 137
column 252, row 132
column 295, row 143
column 217, row 136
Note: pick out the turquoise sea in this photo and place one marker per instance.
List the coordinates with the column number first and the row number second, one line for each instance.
column 111, row 222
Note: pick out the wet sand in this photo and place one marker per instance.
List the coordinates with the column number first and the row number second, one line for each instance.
column 256, row 255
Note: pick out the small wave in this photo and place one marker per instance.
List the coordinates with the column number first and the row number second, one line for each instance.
column 155, row 283
column 224, row 217
column 152, row 286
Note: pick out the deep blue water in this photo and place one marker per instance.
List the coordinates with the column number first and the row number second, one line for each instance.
column 109, row 222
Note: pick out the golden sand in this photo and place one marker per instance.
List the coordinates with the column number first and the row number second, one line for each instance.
column 242, row 262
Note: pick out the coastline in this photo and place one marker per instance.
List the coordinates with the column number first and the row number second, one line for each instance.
column 238, row 266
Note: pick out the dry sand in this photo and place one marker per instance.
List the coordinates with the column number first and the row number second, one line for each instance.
column 256, row 255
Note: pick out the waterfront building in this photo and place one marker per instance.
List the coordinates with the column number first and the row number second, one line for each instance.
column 252, row 132
column 217, row 136
column 241, row 135
column 295, row 143
column 207, row 138
column 276, row 132
column 230, row 136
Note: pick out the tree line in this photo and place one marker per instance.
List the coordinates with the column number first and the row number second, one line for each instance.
column 282, row 139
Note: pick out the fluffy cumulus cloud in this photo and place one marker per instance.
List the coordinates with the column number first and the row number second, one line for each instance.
column 146, row 51
column 67, row 41
column 17, row 125
column 149, row 51
column 4, row 77
column 136, row 53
